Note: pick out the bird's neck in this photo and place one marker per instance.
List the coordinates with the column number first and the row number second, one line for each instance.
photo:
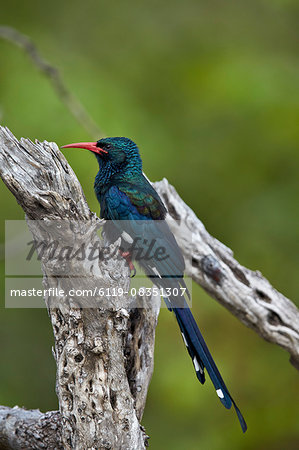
column 109, row 175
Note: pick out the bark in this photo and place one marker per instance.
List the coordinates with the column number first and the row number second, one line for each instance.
column 104, row 355
column 23, row 429
column 246, row 293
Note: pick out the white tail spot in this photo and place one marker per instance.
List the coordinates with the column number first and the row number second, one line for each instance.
column 196, row 365
column 219, row 393
column 127, row 237
column 156, row 272
column 185, row 340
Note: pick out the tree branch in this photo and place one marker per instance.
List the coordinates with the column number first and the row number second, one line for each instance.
column 30, row 429
column 246, row 293
column 105, row 356
column 53, row 75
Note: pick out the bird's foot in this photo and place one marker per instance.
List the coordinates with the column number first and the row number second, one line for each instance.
column 127, row 256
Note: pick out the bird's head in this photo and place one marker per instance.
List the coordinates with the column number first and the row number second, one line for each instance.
column 118, row 154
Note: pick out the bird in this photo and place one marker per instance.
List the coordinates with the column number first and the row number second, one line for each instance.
column 129, row 202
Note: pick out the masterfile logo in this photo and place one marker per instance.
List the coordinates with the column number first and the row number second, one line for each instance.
column 64, row 261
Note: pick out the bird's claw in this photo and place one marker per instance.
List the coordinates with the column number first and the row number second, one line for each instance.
column 127, row 257
column 132, row 275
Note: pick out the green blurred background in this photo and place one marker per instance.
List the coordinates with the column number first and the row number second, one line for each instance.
column 209, row 91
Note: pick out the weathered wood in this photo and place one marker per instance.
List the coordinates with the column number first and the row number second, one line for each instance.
column 102, row 375
column 246, row 293
column 29, row 429
column 104, row 356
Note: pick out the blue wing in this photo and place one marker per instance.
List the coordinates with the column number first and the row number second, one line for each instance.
column 127, row 216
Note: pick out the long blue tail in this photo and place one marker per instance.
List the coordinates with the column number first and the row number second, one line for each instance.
column 201, row 358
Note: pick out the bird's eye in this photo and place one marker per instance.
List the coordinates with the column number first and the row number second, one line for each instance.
column 104, row 145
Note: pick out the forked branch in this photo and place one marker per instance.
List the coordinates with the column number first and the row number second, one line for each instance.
column 105, row 356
